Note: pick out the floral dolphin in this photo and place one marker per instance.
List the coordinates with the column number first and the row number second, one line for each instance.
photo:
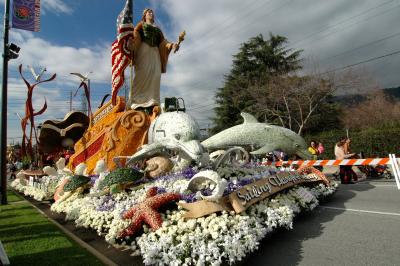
column 261, row 136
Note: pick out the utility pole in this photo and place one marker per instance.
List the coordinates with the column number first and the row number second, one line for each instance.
column 126, row 97
column 89, row 111
column 3, row 124
column 85, row 79
column 70, row 101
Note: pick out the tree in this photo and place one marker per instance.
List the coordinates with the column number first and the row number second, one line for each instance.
column 293, row 102
column 377, row 111
column 257, row 59
column 354, row 81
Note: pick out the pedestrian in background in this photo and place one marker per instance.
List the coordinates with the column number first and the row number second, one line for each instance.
column 320, row 149
column 345, row 171
column 347, row 150
column 313, row 149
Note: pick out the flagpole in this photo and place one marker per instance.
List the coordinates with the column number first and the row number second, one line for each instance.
column 131, row 83
column 131, row 64
column 3, row 102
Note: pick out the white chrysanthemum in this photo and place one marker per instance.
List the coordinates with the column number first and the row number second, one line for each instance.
column 207, row 240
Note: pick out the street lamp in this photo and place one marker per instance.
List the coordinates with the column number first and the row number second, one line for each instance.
column 12, row 51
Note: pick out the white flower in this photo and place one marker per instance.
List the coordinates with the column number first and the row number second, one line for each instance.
column 209, row 240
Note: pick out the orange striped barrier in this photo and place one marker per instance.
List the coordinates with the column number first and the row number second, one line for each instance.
column 368, row 161
column 395, row 167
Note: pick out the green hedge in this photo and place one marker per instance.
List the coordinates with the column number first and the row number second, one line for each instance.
column 373, row 142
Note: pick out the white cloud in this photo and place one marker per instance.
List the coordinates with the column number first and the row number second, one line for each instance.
column 61, row 60
column 53, row 6
column 56, row 6
column 215, row 30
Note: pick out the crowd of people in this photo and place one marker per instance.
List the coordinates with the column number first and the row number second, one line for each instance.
column 342, row 151
column 13, row 167
column 316, row 149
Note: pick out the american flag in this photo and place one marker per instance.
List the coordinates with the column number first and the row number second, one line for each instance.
column 120, row 54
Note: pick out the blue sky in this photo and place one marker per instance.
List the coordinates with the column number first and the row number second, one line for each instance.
column 76, row 36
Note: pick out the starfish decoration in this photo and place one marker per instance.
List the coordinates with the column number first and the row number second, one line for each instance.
column 146, row 211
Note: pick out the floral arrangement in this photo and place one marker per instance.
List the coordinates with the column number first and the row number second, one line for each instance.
column 42, row 190
column 209, row 240
column 169, row 238
column 18, row 185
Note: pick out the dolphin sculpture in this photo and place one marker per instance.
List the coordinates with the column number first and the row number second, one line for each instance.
column 261, row 136
column 175, row 131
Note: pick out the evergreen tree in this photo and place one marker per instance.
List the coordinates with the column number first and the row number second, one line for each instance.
column 257, row 59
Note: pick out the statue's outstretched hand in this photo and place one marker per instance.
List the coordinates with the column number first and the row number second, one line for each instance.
column 175, row 47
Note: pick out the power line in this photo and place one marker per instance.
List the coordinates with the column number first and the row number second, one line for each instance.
column 201, row 107
column 193, row 86
column 361, row 46
column 63, row 77
column 303, row 39
column 228, row 26
column 327, row 72
column 199, row 104
column 342, row 21
column 236, row 30
column 362, row 62
column 356, row 23
column 339, row 22
column 244, row 26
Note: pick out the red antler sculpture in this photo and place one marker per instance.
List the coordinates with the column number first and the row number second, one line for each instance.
column 26, row 146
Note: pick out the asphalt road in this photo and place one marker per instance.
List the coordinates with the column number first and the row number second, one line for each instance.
column 358, row 225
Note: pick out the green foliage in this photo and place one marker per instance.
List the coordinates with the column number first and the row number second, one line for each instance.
column 120, row 176
column 374, row 142
column 29, row 238
column 26, row 162
column 76, row 182
column 256, row 59
column 393, row 93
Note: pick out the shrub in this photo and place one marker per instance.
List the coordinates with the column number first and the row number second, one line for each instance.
column 374, row 142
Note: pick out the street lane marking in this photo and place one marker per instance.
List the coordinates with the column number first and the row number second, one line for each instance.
column 376, row 185
column 355, row 210
column 384, row 185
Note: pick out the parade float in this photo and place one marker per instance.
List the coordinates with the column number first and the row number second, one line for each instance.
column 142, row 178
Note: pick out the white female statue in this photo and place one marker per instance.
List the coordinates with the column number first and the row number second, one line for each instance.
column 151, row 51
